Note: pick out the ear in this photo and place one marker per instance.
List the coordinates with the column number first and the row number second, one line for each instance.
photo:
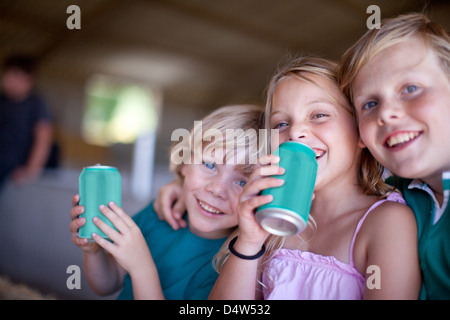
column 183, row 170
column 361, row 143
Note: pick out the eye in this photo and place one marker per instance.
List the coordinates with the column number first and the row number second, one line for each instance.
column 369, row 105
column 319, row 115
column 280, row 125
column 242, row 183
column 410, row 89
column 209, row 165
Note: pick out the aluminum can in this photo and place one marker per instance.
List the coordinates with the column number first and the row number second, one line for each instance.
column 288, row 212
column 98, row 185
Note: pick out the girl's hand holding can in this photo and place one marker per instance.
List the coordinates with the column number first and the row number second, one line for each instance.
column 250, row 199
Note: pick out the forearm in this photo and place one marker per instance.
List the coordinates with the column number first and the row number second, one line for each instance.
column 146, row 284
column 103, row 274
column 239, row 277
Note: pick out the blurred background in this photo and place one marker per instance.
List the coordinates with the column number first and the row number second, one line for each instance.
column 135, row 71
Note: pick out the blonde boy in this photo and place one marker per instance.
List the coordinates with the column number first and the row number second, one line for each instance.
column 398, row 80
column 149, row 260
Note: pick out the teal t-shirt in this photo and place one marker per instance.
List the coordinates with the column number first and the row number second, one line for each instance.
column 183, row 260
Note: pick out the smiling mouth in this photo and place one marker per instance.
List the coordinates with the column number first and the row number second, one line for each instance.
column 319, row 153
column 401, row 138
column 208, row 208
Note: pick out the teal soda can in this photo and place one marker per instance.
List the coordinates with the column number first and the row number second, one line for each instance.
column 288, row 212
column 98, row 185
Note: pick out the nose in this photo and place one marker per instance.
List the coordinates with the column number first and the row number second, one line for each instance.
column 217, row 186
column 390, row 112
column 298, row 132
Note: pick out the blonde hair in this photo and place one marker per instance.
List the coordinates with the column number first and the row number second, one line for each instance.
column 393, row 31
column 305, row 68
column 238, row 119
column 370, row 174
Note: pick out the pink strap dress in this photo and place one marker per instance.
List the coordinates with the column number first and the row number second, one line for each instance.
column 298, row 275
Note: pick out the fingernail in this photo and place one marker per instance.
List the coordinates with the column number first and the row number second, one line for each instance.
column 94, row 219
column 102, row 206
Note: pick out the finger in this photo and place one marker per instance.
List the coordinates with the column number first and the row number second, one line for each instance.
column 169, row 213
column 122, row 214
column 254, row 188
column 105, row 244
column 270, row 170
column 109, row 232
column 115, row 219
column 268, row 159
column 179, row 209
column 179, row 220
column 182, row 223
column 248, row 207
column 171, row 220
column 79, row 241
column 262, row 172
column 76, row 211
column 75, row 224
column 174, row 216
column 75, row 200
column 166, row 198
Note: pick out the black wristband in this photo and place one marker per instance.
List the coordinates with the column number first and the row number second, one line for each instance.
column 237, row 254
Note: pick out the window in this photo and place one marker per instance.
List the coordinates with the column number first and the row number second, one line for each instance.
column 118, row 112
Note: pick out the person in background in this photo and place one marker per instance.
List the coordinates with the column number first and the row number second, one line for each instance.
column 25, row 123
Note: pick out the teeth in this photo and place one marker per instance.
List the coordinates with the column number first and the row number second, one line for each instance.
column 401, row 138
column 319, row 153
column 209, row 208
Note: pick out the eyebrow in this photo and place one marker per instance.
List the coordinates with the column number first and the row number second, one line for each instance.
column 311, row 103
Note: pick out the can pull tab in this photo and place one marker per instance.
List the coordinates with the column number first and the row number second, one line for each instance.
column 98, row 164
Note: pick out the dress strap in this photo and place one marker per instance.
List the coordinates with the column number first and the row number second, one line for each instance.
column 394, row 196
